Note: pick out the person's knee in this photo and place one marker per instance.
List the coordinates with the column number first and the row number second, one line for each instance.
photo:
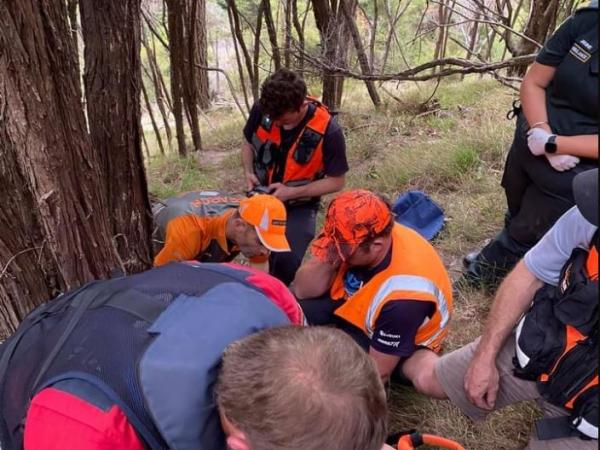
column 420, row 370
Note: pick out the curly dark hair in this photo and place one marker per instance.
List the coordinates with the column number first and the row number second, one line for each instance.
column 283, row 91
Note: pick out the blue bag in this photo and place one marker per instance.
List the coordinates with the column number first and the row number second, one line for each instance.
column 416, row 210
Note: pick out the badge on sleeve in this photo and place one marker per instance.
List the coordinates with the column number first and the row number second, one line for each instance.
column 580, row 50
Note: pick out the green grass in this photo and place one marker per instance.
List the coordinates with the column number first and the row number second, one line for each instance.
column 172, row 175
column 452, row 145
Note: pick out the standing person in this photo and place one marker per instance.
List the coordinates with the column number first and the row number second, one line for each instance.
column 294, row 147
column 541, row 338
column 210, row 227
column 556, row 138
column 379, row 281
column 292, row 388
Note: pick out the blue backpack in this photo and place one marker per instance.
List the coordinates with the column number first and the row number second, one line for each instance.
column 416, row 210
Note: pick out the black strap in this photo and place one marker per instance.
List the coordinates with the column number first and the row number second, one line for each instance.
column 596, row 240
column 84, row 300
column 137, row 303
column 555, row 428
column 416, row 439
column 393, row 438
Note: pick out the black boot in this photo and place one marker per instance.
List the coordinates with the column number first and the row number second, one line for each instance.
column 489, row 267
column 470, row 258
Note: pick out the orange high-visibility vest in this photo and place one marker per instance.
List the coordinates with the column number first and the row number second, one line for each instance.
column 416, row 272
column 295, row 172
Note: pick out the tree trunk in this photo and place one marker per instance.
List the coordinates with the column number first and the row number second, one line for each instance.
column 55, row 220
column 300, row 33
column 153, row 121
column 175, row 20
column 360, row 52
column 542, row 16
column 155, row 76
column 287, row 47
column 111, row 36
column 271, row 30
column 201, row 56
column 240, row 44
column 330, row 23
column 190, row 72
column 256, row 51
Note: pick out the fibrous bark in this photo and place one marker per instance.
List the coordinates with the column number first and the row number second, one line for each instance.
column 56, row 230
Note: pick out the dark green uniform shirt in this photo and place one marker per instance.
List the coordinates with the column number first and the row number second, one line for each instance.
column 572, row 96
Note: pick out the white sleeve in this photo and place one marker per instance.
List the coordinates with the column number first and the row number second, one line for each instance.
column 546, row 259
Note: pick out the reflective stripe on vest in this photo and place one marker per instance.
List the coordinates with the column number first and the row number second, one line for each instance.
column 415, row 273
column 408, row 283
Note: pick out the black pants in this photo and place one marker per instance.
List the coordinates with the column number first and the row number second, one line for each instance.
column 320, row 311
column 536, row 196
column 300, row 231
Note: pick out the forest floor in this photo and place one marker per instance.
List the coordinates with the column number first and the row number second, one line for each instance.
column 449, row 142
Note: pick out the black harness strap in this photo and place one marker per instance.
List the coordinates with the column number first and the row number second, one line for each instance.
column 555, row 428
column 85, row 299
column 142, row 306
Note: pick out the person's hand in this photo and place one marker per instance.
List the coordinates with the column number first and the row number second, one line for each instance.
column 482, row 381
column 536, row 140
column 562, row 163
column 251, row 180
column 282, row 192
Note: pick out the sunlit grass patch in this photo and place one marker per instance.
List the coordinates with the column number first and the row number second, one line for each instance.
column 171, row 175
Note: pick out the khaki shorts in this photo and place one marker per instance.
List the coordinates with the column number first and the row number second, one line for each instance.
column 450, row 371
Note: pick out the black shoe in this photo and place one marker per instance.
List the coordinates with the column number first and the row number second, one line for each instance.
column 470, row 258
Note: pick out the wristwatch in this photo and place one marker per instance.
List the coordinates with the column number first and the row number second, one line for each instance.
column 550, row 146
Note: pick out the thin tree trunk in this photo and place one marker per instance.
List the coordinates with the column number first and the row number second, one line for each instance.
column 145, row 144
column 201, row 54
column 360, row 52
column 190, row 82
column 158, row 74
column 175, row 18
column 154, row 125
column 158, row 89
column 236, row 29
column 54, row 216
column 272, row 33
column 111, row 34
column 373, row 38
column 300, row 33
column 239, row 63
column 473, row 35
column 330, row 27
column 287, row 49
column 256, row 52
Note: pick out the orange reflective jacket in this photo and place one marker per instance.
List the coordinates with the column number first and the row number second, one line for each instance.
column 193, row 237
column 310, row 139
column 416, row 272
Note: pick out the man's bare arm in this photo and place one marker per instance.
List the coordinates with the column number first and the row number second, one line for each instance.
column 313, row 279
column 512, row 300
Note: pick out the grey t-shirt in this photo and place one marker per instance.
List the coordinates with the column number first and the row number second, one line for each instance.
column 550, row 254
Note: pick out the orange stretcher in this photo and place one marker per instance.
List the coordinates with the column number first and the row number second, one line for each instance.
column 416, row 439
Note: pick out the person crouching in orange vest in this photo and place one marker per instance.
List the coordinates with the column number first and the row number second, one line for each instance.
column 380, row 282
column 216, row 228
